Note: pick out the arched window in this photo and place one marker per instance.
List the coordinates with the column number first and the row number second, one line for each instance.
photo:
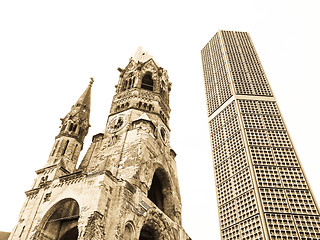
column 55, row 148
column 133, row 80
column 65, row 148
column 70, row 126
column 61, row 221
column 147, row 82
column 130, row 83
column 128, row 232
column 155, row 193
column 160, row 192
column 124, row 85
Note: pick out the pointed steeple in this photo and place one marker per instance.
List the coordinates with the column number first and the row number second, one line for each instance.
column 76, row 122
column 81, row 109
column 74, row 128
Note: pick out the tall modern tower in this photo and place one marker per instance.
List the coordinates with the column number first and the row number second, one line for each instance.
column 262, row 190
column 126, row 187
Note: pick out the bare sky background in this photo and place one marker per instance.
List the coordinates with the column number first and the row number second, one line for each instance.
column 50, row 49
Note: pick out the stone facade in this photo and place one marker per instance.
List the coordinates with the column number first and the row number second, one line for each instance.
column 126, row 187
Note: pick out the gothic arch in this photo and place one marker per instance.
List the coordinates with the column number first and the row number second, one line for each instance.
column 160, row 192
column 129, row 231
column 61, row 221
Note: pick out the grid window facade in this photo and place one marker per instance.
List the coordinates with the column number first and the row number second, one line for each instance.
column 246, row 205
column 281, row 227
column 246, row 71
column 251, row 229
column 236, row 199
column 254, row 158
column 308, row 227
column 274, row 200
column 301, row 202
column 231, row 233
column 217, row 84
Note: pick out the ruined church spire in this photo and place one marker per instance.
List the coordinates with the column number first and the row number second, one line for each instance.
column 76, row 122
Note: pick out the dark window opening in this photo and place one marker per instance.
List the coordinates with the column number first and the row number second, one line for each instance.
column 147, row 82
column 70, row 126
column 55, row 148
column 72, row 234
column 124, row 85
column 163, row 133
column 130, row 83
column 74, row 127
column 155, row 193
column 133, row 80
column 147, row 233
column 65, row 148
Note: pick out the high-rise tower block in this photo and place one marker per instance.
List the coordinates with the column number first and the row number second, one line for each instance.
column 262, row 190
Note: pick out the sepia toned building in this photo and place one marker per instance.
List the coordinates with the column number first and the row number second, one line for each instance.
column 262, row 190
column 126, row 186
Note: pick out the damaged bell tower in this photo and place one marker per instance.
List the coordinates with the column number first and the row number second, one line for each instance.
column 126, row 187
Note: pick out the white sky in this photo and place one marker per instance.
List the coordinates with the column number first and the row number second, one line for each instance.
column 50, row 49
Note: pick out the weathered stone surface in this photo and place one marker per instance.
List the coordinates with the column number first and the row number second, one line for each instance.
column 126, row 186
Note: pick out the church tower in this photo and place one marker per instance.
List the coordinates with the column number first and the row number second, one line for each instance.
column 126, row 186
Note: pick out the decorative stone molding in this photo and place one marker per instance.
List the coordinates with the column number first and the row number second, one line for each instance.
column 95, row 227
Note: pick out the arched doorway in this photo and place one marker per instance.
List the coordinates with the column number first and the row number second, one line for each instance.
column 61, row 221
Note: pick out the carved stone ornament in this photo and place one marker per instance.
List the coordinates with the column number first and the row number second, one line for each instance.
column 156, row 220
column 95, row 227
